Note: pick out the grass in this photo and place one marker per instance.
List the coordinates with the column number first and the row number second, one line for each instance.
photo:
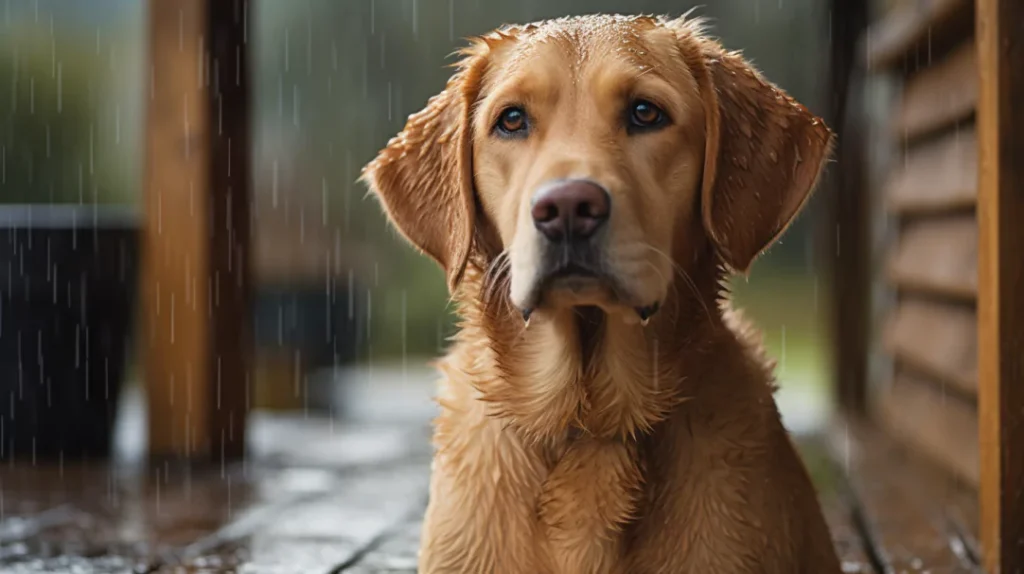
column 789, row 308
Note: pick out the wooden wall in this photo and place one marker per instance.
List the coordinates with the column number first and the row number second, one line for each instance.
column 931, row 264
column 953, row 198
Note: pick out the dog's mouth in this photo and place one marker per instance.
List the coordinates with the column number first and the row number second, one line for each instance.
column 574, row 284
column 574, row 277
column 586, row 289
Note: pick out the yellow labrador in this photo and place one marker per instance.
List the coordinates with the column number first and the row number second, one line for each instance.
column 586, row 183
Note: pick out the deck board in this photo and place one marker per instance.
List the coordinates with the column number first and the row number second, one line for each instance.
column 913, row 516
column 324, row 496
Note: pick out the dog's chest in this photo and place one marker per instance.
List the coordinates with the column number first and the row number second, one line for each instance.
column 587, row 500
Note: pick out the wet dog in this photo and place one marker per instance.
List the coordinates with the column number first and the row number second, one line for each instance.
column 587, row 184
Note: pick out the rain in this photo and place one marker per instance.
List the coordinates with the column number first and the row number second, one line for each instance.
column 217, row 354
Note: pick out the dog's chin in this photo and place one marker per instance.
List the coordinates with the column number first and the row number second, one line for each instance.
column 582, row 290
column 578, row 291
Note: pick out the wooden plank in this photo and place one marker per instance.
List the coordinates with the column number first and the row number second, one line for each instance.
column 941, row 425
column 195, row 259
column 847, row 537
column 937, row 256
column 315, row 494
column 937, row 176
column 1000, row 32
column 320, row 533
column 911, row 24
column 916, row 517
column 295, row 519
column 397, row 553
column 104, row 521
column 937, row 339
column 939, row 95
column 838, row 507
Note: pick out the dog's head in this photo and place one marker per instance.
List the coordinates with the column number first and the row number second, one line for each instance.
column 597, row 153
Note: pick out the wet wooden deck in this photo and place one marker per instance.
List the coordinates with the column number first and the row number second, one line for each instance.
column 321, row 496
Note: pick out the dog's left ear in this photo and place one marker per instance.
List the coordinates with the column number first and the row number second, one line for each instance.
column 763, row 155
column 424, row 176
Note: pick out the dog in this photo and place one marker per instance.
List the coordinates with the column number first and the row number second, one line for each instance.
column 587, row 184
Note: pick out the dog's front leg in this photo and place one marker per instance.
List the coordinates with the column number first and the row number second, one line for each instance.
column 734, row 503
column 481, row 518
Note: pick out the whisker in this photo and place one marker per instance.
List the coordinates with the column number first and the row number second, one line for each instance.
column 493, row 275
column 496, row 283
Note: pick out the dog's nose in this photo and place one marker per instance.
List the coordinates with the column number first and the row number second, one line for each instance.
column 571, row 209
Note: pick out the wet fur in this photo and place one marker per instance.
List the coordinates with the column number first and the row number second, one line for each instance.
column 581, row 443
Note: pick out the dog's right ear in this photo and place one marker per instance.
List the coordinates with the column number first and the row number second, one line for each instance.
column 424, row 176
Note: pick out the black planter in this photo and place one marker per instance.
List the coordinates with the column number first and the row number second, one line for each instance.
column 67, row 292
column 326, row 325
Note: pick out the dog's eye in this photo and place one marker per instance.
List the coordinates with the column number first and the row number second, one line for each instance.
column 511, row 122
column 644, row 115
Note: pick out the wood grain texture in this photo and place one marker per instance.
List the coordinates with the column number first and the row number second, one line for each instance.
column 314, row 496
column 194, row 264
column 941, row 425
column 908, row 25
column 937, row 256
column 175, row 250
column 938, row 339
column 1000, row 32
column 935, row 177
column 940, row 95
column 913, row 516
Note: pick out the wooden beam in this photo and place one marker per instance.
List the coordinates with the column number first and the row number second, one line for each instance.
column 845, row 235
column 1000, row 33
column 195, row 249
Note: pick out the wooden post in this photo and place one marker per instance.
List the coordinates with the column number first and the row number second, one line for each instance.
column 845, row 233
column 1000, row 38
column 195, row 285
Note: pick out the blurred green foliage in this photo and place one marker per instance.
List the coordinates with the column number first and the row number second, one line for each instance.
column 334, row 79
column 55, row 145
